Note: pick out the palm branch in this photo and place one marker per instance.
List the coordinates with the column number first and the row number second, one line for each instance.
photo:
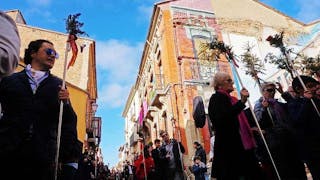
column 310, row 65
column 73, row 25
column 252, row 63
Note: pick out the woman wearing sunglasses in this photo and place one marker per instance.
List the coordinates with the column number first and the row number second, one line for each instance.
column 28, row 128
column 273, row 119
column 234, row 142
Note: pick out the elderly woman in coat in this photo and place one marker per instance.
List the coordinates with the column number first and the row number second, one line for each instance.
column 234, row 142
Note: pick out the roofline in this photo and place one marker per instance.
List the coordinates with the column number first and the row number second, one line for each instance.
column 279, row 12
column 141, row 65
column 51, row 31
column 94, row 70
column 25, row 22
column 93, row 44
column 297, row 21
column 310, row 42
column 313, row 22
column 129, row 100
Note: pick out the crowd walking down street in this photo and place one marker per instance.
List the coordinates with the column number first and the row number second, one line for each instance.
column 273, row 139
column 237, row 150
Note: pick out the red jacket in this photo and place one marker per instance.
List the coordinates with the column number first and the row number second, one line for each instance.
column 140, row 174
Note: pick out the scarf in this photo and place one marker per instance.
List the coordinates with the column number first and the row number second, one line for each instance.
column 244, row 127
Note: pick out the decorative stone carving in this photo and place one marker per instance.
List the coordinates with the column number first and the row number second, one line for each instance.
column 255, row 28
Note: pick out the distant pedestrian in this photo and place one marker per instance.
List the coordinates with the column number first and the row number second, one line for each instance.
column 200, row 152
column 129, row 171
column 199, row 168
column 145, row 165
column 171, row 152
column 158, row 161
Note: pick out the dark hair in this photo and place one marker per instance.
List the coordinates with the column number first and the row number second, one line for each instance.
column 196, row 143
column 156, row 141
column 196, row 157
column 33, row 47
column 145, row 151
column 296, row 85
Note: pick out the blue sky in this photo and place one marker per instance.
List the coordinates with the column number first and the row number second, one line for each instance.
column 120, row 28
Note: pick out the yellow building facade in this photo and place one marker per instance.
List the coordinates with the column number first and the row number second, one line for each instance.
column 80, row 78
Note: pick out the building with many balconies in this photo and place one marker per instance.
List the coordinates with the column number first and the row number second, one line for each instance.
column 174, row 70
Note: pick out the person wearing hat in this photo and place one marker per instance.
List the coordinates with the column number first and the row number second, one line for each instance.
column 306, row 122
column 171, row 153
column 273, row 119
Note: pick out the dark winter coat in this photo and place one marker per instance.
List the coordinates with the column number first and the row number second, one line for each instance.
column 228, row 148
column 176, row 154
column 280, row 140
column 202, row 154
column 29, row 123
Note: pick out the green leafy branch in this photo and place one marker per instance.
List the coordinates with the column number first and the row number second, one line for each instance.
column 205, row 53
column 282, row 61
column 310, row 65
column 252, row 63
column 73, row 25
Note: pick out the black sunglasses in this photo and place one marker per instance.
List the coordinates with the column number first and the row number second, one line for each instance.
column 163, row 135
column 51, row 52
column 270, row 90
column 229, row 80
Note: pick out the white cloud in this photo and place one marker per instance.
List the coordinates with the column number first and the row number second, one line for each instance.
column 117, row 64
column 309, row 10
column 120, row 59
column 113, row 95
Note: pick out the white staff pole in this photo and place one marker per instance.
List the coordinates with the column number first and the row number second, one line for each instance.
column 144, row 160
column 61, row 111
column 290, row 65
column 256, row 121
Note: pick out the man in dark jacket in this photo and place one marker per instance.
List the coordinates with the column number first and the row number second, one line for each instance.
column 129, row 171
column 305, row 122
column 30, row 102
column 171, row 152
column 200, row 152
column 158, row 162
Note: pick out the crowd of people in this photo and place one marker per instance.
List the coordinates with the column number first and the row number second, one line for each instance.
column 285, row 144
column 281, row 147
column 162, row 162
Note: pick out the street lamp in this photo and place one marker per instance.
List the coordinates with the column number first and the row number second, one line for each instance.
column 94, row 107
column 95, row 126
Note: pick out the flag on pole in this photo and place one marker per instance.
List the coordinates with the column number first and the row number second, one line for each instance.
column 74, row 48
column 73, row 28
column 141, row 116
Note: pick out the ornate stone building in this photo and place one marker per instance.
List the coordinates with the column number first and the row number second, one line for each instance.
column 174, row 70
